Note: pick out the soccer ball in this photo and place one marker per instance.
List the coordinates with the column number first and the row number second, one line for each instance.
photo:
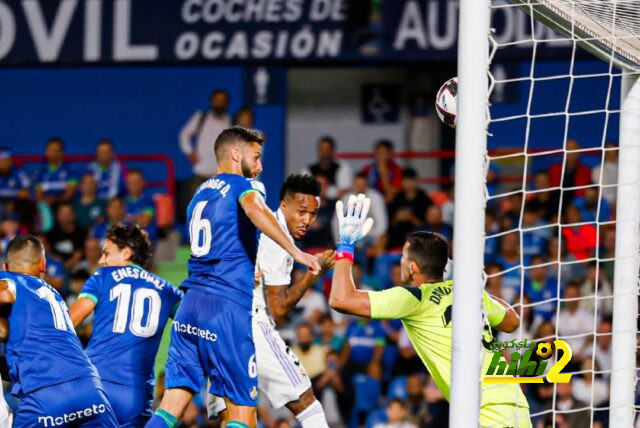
column 447, row 102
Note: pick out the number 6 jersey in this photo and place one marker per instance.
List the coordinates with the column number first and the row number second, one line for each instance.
column 42, row 349
column 132, row 308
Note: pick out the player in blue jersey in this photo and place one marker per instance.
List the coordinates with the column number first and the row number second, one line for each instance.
column 53, row 377
column 212, row 335
column 131, row 307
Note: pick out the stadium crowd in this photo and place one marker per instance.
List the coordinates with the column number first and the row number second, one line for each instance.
column 549, row 252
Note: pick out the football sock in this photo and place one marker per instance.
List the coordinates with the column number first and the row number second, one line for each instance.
column 236, row 424
column 162, row 419
column 312, row 416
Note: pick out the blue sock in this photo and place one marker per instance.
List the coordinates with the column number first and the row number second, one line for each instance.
column 236, row 424
column 162, row 419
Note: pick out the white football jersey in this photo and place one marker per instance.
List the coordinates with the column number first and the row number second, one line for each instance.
column 275, row 264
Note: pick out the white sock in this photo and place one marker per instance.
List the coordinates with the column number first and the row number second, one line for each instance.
column 312, row 416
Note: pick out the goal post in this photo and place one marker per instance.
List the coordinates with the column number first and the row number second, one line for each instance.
column 625, row 300
column 609, row 30
column 468, row 247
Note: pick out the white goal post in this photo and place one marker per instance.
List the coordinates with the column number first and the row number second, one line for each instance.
column 610, row 30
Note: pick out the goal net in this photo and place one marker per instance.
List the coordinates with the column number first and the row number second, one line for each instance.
column 562, row 196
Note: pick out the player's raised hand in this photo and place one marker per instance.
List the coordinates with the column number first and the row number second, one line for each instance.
column 353, row 224
column 310, row 261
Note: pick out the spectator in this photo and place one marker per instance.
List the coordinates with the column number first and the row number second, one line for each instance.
column 378, row 210
column 115, row 214
column 14, row 182
column 491, row 228
column 542, row 289
column 312, row 306
column 565, row 270
column 92, row 254
column 609, row 170
column 204, row 127
column 328, row 337
column 89, row 209
column 362, row 352
column 384, row 174
column 581, row 238
column 54, row 274
column 139, row 207
column 589, row 387
column 576, row 173
column 338, row 172
column 546, row 202
column 534, row 234
column 397, row 416
column 55, row 181
column 596, row 280
column 567, row 406
column 329, row 388
column 603, row 351
column 409, row 207
column 448, row 206
column 9, row 228
column 575, row 321
column 107, row 171
column 435, row 224
column 494, row 279
column 319, row 236
column 509, row 259
column 418, row 408
column 244, row 117
column 66, row 237
column 312, row 356
column 588, row 205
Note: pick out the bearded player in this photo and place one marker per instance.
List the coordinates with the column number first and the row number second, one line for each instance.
column 281, row 377
column 212, row 330
column 424, row 306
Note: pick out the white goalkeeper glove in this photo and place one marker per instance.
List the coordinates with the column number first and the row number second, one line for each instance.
column 352, row 225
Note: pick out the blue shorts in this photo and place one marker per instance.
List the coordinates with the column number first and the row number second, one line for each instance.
column 78, row 403
column 212, row 339
column 131, row 404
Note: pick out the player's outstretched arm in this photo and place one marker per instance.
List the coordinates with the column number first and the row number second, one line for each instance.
column 261, row 216
column 282, row 298
column 353, row 226
column 81, row 310
column 344, row 296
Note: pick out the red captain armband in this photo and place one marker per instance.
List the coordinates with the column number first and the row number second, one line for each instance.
column 344, row 252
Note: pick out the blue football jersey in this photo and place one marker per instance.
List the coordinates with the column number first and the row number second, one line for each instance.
column 132, row 308
column 42, row 349
column 224, row 242
column 54, row 181
column 13, row 183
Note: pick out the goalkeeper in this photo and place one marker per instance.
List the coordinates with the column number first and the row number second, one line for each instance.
column 424, row 306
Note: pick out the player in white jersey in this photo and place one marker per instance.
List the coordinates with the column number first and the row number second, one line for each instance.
column 281, row 377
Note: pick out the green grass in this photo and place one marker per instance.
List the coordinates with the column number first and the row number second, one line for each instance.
column 174, row 272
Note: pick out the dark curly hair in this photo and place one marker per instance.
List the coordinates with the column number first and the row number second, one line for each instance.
column 136, row 239
column 297, row 183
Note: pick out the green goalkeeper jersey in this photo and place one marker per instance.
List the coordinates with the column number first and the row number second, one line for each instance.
column 425, row 312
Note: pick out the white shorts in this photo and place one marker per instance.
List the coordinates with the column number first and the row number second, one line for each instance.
column 281, row 377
